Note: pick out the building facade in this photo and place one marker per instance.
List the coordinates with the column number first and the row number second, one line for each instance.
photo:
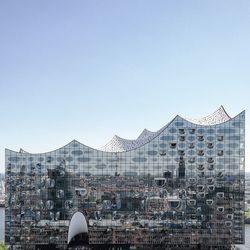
column 182, row 187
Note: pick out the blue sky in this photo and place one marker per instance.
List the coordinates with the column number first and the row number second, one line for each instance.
column 87, row 70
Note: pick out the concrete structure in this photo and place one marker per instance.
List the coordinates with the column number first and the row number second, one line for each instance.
column 179, row 187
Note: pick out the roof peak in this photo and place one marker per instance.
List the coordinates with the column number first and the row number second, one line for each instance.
column 218, row 116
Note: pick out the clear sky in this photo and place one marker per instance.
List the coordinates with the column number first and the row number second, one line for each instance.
column 87, row 70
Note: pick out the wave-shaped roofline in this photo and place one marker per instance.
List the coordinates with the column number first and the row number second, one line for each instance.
column 131, row 140
column 119, row 144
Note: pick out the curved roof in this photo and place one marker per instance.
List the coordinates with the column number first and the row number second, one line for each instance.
column 119, row 144
column 145, row 133
column 219, row 116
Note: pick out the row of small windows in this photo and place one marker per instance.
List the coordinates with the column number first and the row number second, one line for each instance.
column 192, row 164
column 170, row 154
column 193, row 138
column 172, row 144
column 200, row 151
column 203, row 130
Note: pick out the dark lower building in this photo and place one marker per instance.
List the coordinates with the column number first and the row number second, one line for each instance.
column 181, row 187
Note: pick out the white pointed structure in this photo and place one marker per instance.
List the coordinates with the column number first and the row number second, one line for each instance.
column 77, row 226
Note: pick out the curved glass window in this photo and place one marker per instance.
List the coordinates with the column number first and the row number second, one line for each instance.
column 152, row 152
column 49, row 159
column 191, row 159
column 191, row 131
column 210, row 145
column 133, row 167
column 130, row 173
column 191, row 167
column 234, row 137
column 62, row 151
column 220, row 137
column 69, row 158
column 210, row 160
column 60, row 159
column 38, row 216
column 225, row 130
column 233, row 167
column 200, row 152
column 181, row 145
column 200, row 130
column 75, row 144
column 100, row 166
column 210, row 138
column 172, row 145
column 83, row 159
column 49, row 204
column 210, row 180
column 60, row 193
column 172, row 153
column 40, row 159
column 210, row 152
column 68, row 204
column 210, row 131
column 210, row 167
column 172, row 130
column 200, row 145
column 41, row 204
column 227, row 160
column 181, row 131
column 14, row 158
column 200, row 167
column 191, row 138
column 182, row 138
column 181, row 152
column 220, row 175
column 233, row 145
column 162, row 152
column 219, row 146
column 61, row 173
column 238, row 124
column 77, row 152
column 50, row 183
column 168, row 138
column 200, row 159
column 51, row 215
column 201, row 174
column 200, row 138
column 220, row 166
column 162, row 145
column 191, row 152
column 209, row 202
column 220, row 152
column 211, row 188
column 57, row 215
column 229, row 152
column 139, row 159
column 179, row 123
column 192, row 181
column 220, row 209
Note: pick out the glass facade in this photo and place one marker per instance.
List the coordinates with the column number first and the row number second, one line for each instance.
column 183, row 187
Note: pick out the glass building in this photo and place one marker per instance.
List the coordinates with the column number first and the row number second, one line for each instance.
column 181, row 186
